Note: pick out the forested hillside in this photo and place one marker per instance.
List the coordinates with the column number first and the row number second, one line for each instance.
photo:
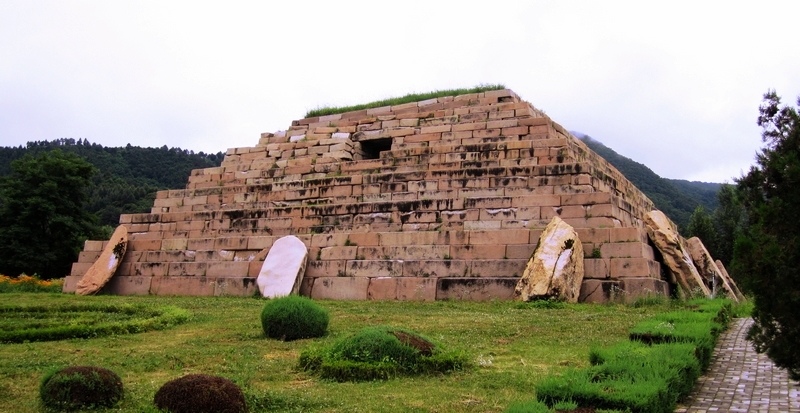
column 127, row 178
column 676, row 198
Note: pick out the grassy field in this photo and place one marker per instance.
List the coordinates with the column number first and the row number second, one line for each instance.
column 512, row 345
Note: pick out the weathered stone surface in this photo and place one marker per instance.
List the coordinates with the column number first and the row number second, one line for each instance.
column 708, row 269
column 675, row 254
column 103, row 269
column 456, row 187
column 556, row 268
column 599, row 291
column 283, row 268
column 475, row 289
column 732, row 283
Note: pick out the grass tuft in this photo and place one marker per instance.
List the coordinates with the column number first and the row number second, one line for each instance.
column 411, row 97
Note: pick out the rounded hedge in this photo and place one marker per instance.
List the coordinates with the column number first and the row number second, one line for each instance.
column 294, row 317
column 380, row 353
column 200, row 393
column 383, row 344
column 80, row 387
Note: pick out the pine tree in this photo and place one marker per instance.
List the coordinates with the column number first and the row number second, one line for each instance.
column 767, row 254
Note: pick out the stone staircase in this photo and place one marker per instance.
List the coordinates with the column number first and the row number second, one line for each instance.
column 439, row 199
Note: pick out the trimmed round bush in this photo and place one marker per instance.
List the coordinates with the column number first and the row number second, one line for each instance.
column 80, row 387
column 294, row 317
column 200, row 393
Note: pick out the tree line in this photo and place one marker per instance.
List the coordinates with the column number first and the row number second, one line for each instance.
column 56, row 194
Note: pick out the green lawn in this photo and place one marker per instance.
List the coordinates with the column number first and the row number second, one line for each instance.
column 513, row 346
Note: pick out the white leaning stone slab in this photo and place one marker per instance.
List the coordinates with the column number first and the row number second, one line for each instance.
column 283, row 269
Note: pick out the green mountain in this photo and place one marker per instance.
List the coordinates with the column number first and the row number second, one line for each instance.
column 675, row 197
column 127, row 178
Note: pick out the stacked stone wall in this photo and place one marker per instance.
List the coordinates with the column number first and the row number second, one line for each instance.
column 439, row 199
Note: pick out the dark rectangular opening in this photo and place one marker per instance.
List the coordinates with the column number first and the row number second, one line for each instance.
column 372, row 148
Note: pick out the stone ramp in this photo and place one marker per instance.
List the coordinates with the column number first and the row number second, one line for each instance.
column 741, row 380
column 445, row 198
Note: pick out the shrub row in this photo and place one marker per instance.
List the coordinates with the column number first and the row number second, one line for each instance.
column 147, row 319
column 650, row 373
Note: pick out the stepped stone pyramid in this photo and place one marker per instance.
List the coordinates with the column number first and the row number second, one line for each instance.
column 439, row 199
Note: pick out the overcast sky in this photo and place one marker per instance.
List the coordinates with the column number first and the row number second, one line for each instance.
column 675, row 86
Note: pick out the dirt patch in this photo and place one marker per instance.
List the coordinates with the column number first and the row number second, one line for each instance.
column 425, row 347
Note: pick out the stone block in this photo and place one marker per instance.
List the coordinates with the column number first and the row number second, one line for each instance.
column 477, row 252
column 382, row 288
column 587, row 199
column 88, row 256
column 70, row 284
column 507, row 237
column 506, row 123
column 435, row 268
column 306, row 286
column 536, row 200
column 195, row 286
column 593, row 235
column 339, row 253
column 93, row 246
column 374, row 268
column 512, row 131
column 521, row 251
column 340, row 288
column 329, row 240
column 174, row 244
column 482, row 225
column 630, row 234
column 325, row 268
column 149, row 269
column 187, row 268
column 128, row 286
column 498, row 268
column 416, row 289
column 235, row 287
column 408, row 238
column 634, row 267
column 626, row 250
column 231, row 243
column 596, row 268
column 227, row 269
column 200, row 244
column 475, row 289
column 643, row 287
column 599, row 291
column 460, row 216
column 365, row 238
column 144, row 244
